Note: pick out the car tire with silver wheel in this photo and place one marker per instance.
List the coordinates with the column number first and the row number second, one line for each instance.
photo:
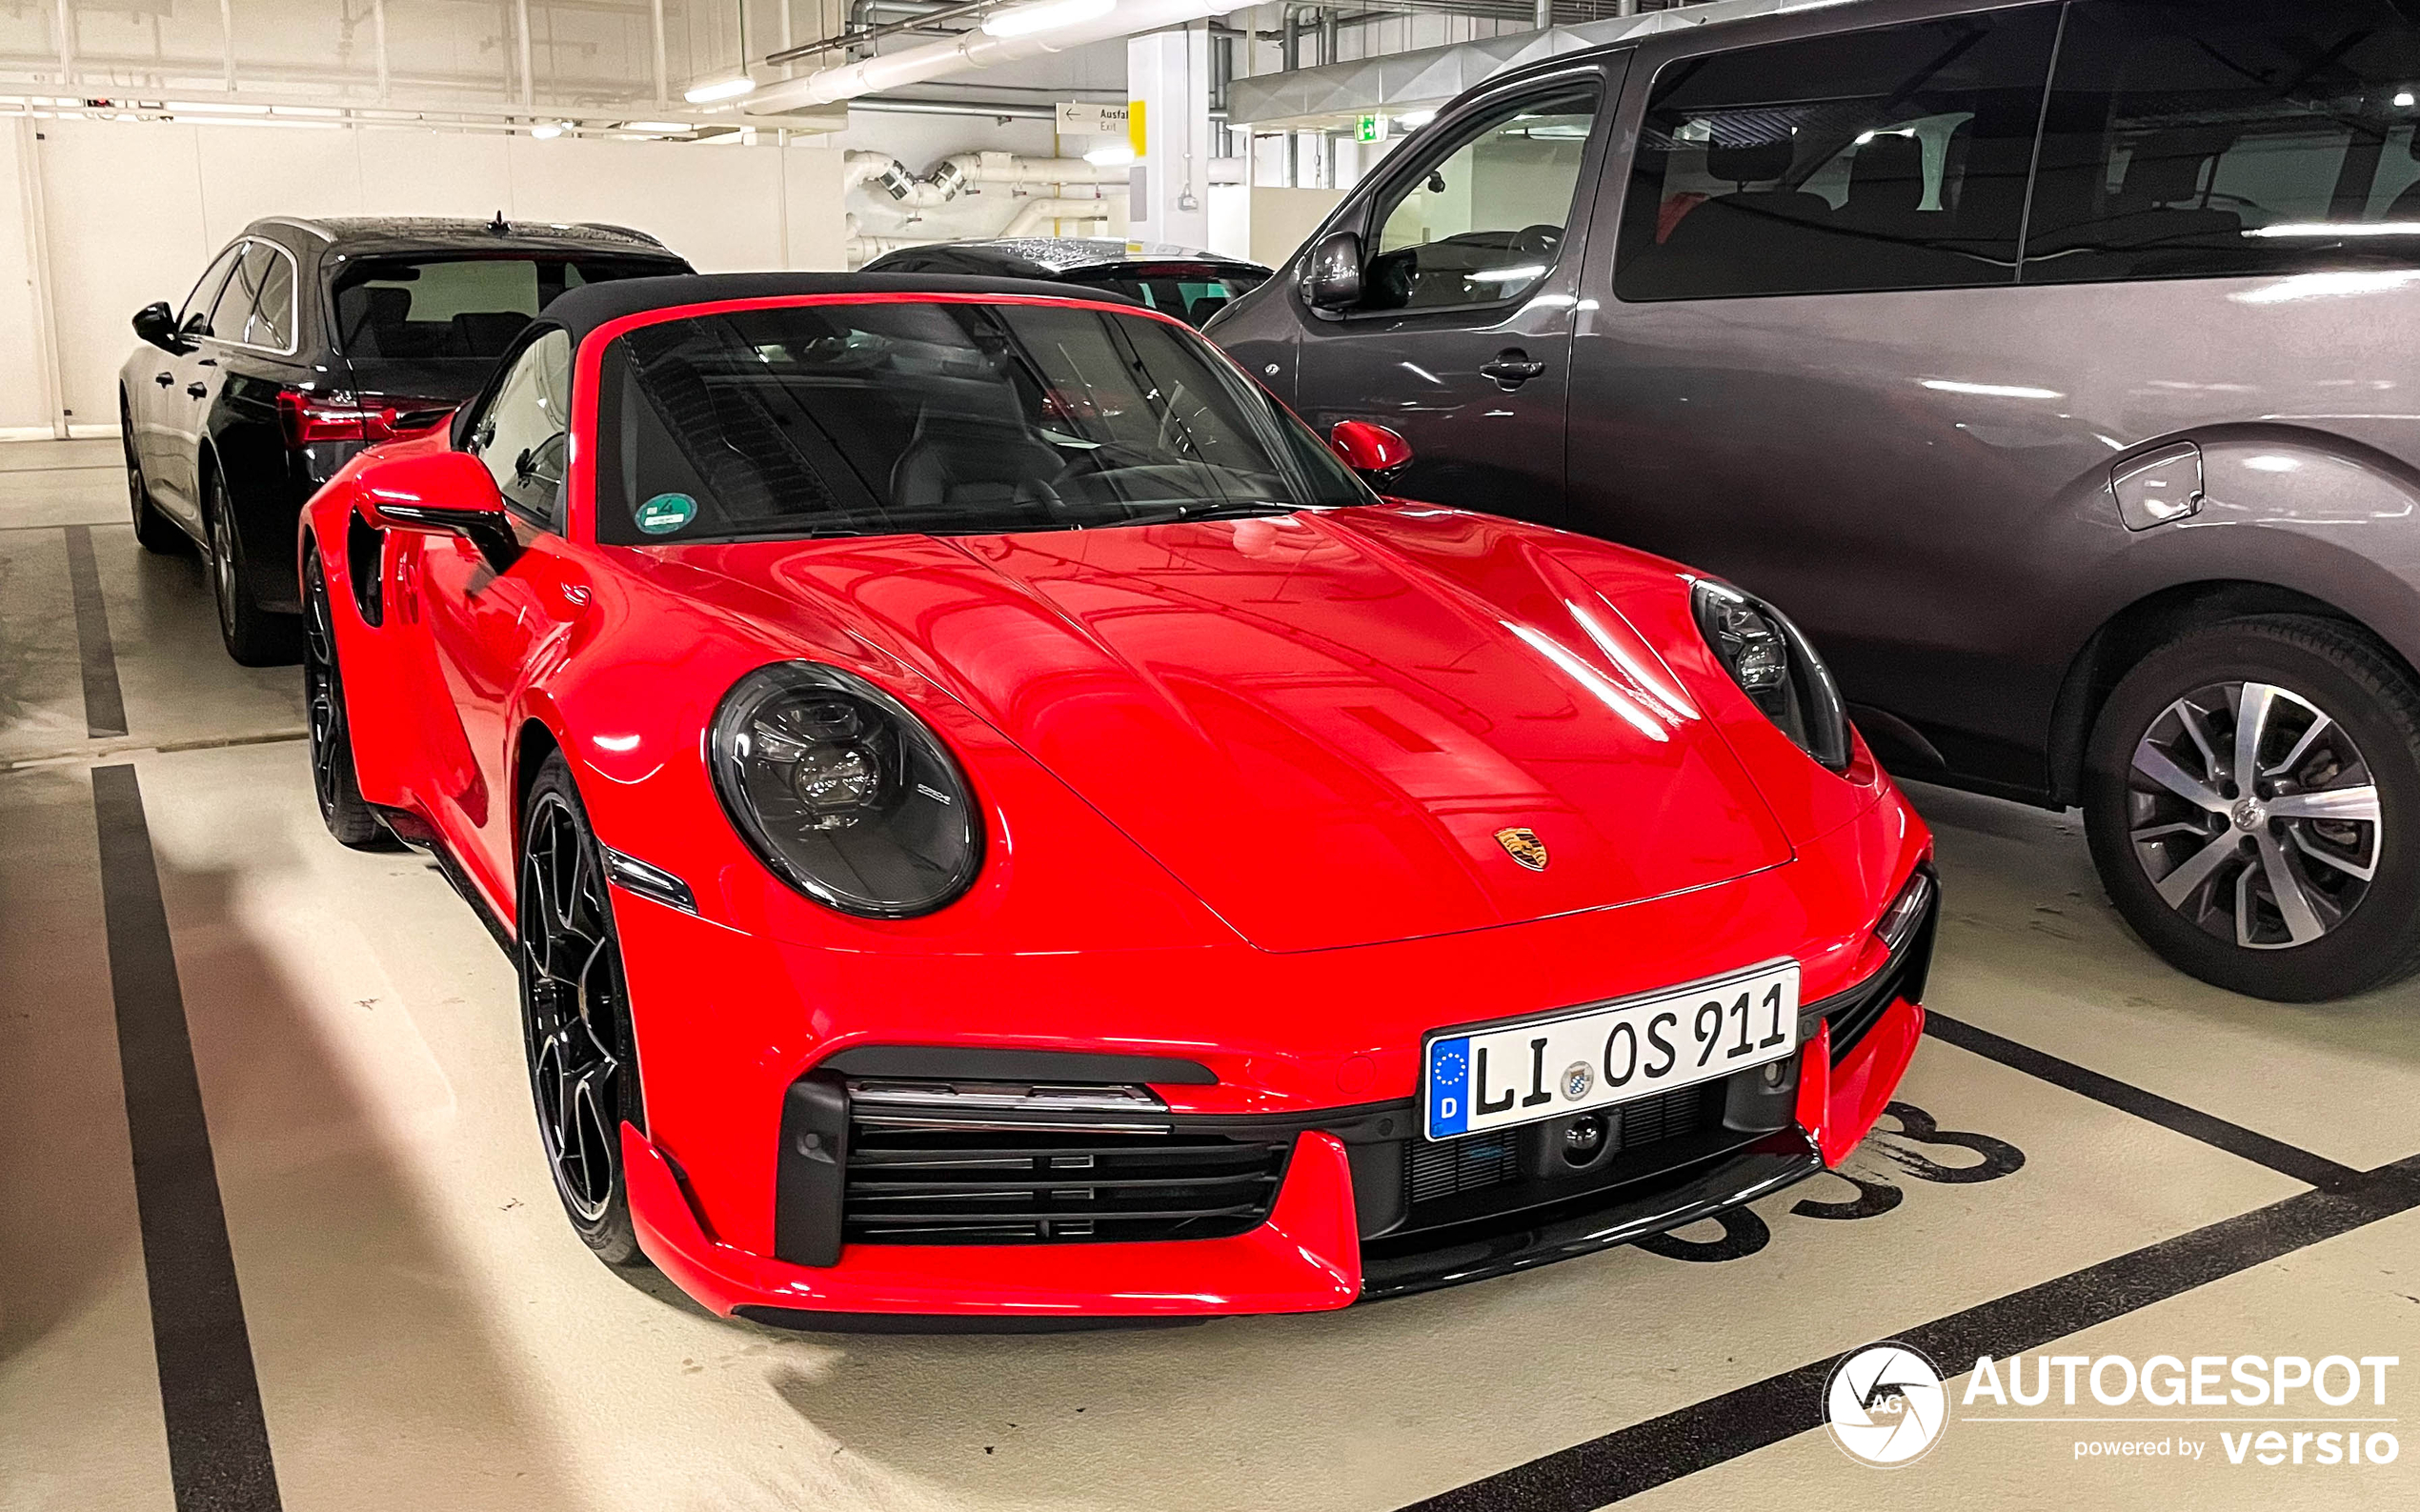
column 255, row 637
column 154, row 530
column 2252, row 793
column 333, row 782
column 575, row 1014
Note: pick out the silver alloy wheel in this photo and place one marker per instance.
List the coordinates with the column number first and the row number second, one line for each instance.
column 2253, row 815
column 134, row 489
column 222, row 560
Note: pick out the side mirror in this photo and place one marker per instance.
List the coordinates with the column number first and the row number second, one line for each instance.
column 445, row 493
column 1369, row 449
column 156, row 324
column 1332, row 273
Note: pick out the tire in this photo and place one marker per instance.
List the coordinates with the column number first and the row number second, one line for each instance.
column 2201, row 874
column 575, row 1016
column 154, row 530
column 334, row 781
column 255, row 637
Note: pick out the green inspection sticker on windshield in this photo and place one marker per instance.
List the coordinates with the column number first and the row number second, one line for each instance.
column 665, row 514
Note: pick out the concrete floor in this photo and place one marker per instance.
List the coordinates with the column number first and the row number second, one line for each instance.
column 425, row 1331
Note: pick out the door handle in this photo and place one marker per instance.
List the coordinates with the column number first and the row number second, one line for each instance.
column 197, row 391
column 162, row 380
column 1511, row 368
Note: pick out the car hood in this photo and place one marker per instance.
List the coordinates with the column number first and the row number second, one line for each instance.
column 1333, row 731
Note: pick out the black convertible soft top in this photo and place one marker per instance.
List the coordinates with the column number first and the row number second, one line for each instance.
column 582, row 311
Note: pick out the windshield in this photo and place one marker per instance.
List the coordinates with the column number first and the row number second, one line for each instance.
column 937, row 418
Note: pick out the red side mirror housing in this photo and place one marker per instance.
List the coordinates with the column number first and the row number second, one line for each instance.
column 448, row 493
column 1368, row 448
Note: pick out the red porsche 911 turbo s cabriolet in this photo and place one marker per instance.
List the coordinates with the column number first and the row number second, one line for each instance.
column 1000, row 826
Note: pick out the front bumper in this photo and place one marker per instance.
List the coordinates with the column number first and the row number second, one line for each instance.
column 1304, row 1065
column 1323, row 1245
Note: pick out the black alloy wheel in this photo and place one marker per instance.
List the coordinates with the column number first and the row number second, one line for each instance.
column 2250, row 794
column 575, row 1016
column 255, row 637
column 153, row 532
column 333, row 782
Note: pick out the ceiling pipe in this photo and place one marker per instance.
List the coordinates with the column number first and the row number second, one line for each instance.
column 976, row 50
column 999, row 110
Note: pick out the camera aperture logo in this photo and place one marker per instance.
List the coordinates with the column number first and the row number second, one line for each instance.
column 1886, row 1405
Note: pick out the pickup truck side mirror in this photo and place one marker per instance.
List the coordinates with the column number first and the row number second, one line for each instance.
column 156, row 324
column 446, row 492
column 1331, row 277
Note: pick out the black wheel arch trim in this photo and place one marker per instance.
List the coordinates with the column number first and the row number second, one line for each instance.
column 2151, row 620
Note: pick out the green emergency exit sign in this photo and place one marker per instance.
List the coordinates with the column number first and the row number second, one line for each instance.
column 1368, row 129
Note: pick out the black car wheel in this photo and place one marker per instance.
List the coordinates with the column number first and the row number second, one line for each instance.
column 152, row 530
column 2251, row 794
column 255, row 637
column 333, row 779
column 575, row 1014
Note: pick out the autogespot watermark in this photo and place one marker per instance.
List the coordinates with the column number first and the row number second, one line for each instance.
column 1887, row 1405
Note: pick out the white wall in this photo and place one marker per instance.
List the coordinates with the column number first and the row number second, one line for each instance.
column 135, row 208
column 1282, row 218
column 23, row 366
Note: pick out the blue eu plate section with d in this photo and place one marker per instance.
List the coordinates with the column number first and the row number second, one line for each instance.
column 1448, row 1087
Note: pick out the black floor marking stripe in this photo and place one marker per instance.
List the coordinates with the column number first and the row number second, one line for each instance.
column 104, row 707
column 217, row 1441
column 1721, row 1428
column 2194, row 1124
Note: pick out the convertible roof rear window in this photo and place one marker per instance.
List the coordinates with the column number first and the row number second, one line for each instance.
column 936, row 418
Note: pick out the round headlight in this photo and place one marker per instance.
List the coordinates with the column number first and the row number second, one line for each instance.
column 846, row 794
column 1771, row 662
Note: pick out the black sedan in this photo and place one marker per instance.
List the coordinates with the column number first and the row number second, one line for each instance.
column 1192, row 286
column 305, row 341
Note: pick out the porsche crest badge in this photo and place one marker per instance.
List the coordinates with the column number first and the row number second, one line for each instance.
column 1523, row 845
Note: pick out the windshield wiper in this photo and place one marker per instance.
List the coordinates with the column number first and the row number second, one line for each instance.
column 1255, row 510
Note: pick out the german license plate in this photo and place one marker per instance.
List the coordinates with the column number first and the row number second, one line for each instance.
column 1594, row 1057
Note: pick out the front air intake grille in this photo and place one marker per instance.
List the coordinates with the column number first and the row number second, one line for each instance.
column 1668, row 1115
column 1005, row 1186
column 1450, row 1167
column 1474, row 1162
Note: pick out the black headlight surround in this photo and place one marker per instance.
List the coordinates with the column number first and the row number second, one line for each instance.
column 1771, row 662
column 891, row 832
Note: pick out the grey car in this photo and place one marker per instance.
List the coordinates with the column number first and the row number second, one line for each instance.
column 2052, row 365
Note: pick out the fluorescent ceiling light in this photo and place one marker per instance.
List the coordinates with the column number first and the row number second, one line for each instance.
column 1413, row 121
column 659, row 127
column 1109, row 156
column 1045, row 15
column 1509, row 275
column 715, row 89
column 544, row 130
column 2403, row 101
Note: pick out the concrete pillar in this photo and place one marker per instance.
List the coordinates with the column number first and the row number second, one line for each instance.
column 1168, row 81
